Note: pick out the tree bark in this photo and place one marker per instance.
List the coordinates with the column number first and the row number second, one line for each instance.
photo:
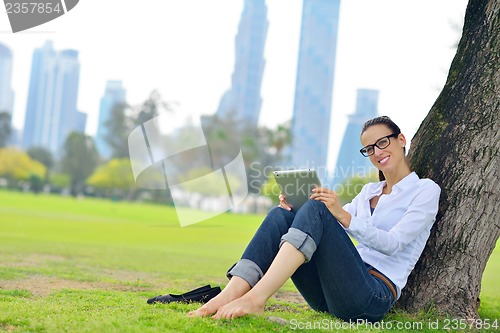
column 457, row 145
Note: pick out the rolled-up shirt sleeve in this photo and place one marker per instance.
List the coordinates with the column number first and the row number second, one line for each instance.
column 418, row 217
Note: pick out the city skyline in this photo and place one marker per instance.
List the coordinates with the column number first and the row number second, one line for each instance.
column 312, row 107
column 396, row 54
column 243, row 100
column 51, row 111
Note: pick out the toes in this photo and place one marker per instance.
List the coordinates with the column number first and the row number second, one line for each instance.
column 201, row 312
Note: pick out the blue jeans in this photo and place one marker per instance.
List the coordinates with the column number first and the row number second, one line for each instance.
column 333, row 278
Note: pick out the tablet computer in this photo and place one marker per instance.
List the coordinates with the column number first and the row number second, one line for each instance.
column 296, row 185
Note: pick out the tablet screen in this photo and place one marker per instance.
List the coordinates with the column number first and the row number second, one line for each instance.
column 296, row 185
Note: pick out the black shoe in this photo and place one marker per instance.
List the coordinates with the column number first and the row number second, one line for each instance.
column 201, row 294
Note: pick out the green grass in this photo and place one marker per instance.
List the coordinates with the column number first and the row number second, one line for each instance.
column 87, row 265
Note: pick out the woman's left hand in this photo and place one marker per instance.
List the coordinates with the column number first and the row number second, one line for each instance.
column 332, row 202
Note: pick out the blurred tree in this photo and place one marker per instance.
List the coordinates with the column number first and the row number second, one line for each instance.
column 43, row 156
column 260, row 147
column 278, row 139
column 352, row 186
column 59, row 181
column 270, row 189
column 153, row 106
column 114, row 175
column 125, row 118
column 211, row 182
column 36, row 183
column 16, row 165
column 5, row 128
column 79, row 160
column 223, row 139
column 119, row 127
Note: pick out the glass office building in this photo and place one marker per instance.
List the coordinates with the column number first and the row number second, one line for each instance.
column 314, row 85
column 51, row 112
column 242, row 102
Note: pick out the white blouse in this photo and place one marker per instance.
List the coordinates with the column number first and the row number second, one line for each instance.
column 393, row 238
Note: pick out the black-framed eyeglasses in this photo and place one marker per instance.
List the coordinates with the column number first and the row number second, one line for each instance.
column 381, row 143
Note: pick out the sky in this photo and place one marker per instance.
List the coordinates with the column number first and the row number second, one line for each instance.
column 185, row 50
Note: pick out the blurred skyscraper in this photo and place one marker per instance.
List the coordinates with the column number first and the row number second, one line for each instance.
column 113, row 96
column 242, row 101
column 81, row 122
column 6, row 92
column 350, row 162
column 51, row 112
column 314, row 84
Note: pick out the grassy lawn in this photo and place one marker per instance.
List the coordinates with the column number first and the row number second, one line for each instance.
column 86, row 265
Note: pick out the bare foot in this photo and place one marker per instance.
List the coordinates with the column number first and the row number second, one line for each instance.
column 240, row 307
column 211, row 306
column 236, row 288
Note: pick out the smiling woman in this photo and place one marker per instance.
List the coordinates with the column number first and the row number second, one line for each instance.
column 390, row 220
column 383, row 142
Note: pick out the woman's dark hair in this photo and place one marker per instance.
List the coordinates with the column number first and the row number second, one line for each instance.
column 382, row 120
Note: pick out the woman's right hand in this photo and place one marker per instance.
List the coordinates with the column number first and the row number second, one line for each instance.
column 283, row 203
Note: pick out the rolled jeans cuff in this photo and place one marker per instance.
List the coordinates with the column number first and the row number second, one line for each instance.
column 247, row 270
column 301, row 241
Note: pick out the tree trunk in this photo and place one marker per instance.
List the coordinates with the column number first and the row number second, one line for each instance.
column 457, row 145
